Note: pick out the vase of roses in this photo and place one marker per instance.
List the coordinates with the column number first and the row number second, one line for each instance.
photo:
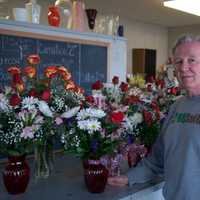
column 90, row 136
column 37, row 104
column 16, row 139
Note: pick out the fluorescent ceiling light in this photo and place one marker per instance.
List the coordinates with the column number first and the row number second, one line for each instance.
column 189, row 6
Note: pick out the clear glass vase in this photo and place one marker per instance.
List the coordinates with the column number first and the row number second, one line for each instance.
column 44, row 160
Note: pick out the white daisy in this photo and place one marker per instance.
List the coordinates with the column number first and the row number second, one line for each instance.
column 29, row 103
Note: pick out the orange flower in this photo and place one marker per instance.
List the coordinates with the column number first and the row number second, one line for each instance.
column 66, row 75
column 14, row 70
column 70, row 85
column 30, row 71
column 20, row 87
column 50, row 72
column 33, row 59
column 79, row 90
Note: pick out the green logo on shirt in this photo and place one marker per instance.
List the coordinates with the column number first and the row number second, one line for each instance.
column 186, row 118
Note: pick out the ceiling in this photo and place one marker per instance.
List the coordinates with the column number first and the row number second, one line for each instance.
column 148, row 11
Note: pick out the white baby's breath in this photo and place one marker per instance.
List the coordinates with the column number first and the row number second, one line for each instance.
column 90, row 113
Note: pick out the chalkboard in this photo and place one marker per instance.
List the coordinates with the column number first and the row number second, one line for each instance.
column 86, row 62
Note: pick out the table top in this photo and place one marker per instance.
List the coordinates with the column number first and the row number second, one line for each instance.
column 66, row 182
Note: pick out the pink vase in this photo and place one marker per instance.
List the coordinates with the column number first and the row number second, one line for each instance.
column 78, row 16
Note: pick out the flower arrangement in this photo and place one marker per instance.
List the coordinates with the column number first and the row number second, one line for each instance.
column 33, row 107
column 92, row 133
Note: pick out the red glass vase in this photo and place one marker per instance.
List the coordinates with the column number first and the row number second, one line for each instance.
column 54, row 16
column 95, row 175
column 16, row 175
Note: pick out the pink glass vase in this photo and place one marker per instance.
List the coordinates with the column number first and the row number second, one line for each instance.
column 95, row 175
column 16, row 175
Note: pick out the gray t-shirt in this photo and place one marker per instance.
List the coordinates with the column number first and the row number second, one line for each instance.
column 176, row 153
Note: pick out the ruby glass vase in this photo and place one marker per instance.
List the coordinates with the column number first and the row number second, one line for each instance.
column 16, row 174
column 95, row 175
column 54, row 16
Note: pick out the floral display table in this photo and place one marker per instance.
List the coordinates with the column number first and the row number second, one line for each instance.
column 66, row 183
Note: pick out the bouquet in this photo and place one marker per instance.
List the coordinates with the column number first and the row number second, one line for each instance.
column 93, row 133
column 34, row 105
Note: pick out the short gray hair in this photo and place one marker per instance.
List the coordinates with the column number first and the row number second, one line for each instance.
column 185, row 39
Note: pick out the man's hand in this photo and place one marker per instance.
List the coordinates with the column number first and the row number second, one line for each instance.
column 118, row 180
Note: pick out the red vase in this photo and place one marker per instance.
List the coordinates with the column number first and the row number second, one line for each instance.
column 16, row 175
column 95, row 175
column 54, row 16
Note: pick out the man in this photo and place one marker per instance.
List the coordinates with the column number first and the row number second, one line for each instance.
column 176, row 153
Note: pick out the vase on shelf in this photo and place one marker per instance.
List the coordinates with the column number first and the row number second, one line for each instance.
column 53, row 16
column 91, row 16
column 95, row 175
column 78, row 16
column 16, row 174
column 65, row 10
column 44, row 160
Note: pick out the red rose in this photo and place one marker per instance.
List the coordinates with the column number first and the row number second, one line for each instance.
column 149, row 87
column 150, row 79
column 97, row 85
column 14, row 100
column 115, row 80
column 17, row 78
column 30, row 71
column 32, row 93
column 90, row 99
column 33, row 59
column 174, row 90
column 46, row 95
column 132, row 100
column 51, row 71
column 160, row 83
column 155, row 106
column 117, row 117
column 14, row 70
column 79, row 90
column 147, row 117
column 124, row 87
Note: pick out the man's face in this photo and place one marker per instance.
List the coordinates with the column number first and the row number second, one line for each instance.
column 187, row 64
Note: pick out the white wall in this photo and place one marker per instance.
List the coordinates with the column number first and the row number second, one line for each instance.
column 174, row 33
column 149, row 36
column 139, row 34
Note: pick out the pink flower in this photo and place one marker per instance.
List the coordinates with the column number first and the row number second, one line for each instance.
column 27, row 132
column 58, row 120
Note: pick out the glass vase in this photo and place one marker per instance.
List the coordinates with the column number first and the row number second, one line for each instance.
column 91, row 16
column 16, row 175
column 95, row 175
column 54, row 16
column 44, row 160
